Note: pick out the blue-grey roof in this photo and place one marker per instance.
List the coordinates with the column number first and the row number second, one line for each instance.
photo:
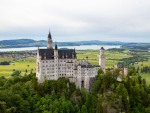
column 49, row 35
column 49, row 53
column 87, row 66
column 119, row 66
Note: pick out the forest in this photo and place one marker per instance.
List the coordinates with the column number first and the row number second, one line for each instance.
column 131, row 60
column 5, row 63
column 23, row 94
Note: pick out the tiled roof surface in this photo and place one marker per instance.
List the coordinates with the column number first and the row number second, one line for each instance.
column 49, row 53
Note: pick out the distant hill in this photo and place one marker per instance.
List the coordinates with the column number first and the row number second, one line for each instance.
column 16, row 42
column 43, row 43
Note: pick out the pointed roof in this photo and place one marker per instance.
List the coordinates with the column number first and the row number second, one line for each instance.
column 49, row 35
column 102, row 48
column 56, row 48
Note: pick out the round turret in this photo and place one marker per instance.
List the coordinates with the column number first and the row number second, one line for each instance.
column 125, row 71
column 102, row 50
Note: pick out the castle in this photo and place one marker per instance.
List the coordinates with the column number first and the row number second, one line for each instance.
column 53, row 63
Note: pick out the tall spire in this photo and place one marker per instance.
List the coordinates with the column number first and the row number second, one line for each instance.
column 56, row 48
column 49, row 41
column 49, row 35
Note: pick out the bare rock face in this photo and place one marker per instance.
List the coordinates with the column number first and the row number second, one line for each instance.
column 91, row 83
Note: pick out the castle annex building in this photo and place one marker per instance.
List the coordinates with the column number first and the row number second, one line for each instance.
column 53, row 63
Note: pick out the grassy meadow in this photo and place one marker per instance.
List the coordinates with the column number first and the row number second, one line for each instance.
column 144, row 75
column 20, row 65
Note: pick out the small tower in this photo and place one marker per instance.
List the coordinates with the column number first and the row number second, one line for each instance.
column 86, row 60
column 125, row 71
column 49, row 41
column 56, row 50
column 102, row 58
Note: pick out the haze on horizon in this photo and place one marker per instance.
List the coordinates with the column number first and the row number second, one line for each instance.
column 76, row 20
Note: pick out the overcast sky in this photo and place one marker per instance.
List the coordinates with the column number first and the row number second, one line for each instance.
column 76, row 20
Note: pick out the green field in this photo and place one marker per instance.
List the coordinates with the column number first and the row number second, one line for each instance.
column 144, row 75
column 7, row 70
column 5, row 59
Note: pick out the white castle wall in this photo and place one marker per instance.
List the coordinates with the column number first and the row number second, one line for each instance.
column 55, row 68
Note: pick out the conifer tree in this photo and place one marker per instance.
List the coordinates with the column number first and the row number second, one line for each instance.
column 84, row 109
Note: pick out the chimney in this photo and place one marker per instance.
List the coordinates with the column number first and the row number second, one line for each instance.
column 63, row 55
column 72, row 54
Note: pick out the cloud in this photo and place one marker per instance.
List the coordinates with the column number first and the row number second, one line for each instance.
column 73, row 20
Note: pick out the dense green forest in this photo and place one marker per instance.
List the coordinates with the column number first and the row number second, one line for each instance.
column 138, row 47
column 25, row 95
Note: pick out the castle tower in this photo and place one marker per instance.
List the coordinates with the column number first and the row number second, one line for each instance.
column 56, row 62
column 125, row 71
column 102, row 58
column 49, row 41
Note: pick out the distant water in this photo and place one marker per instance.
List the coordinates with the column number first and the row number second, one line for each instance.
column 82, row 47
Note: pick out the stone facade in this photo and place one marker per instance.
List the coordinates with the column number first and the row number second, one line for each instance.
column 53, row 64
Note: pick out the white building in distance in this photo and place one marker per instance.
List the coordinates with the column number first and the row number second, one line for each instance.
column 53, row 64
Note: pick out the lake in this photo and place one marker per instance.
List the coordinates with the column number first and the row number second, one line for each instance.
column 82, row 47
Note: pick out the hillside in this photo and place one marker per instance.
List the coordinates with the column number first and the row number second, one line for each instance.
column 42, row 43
